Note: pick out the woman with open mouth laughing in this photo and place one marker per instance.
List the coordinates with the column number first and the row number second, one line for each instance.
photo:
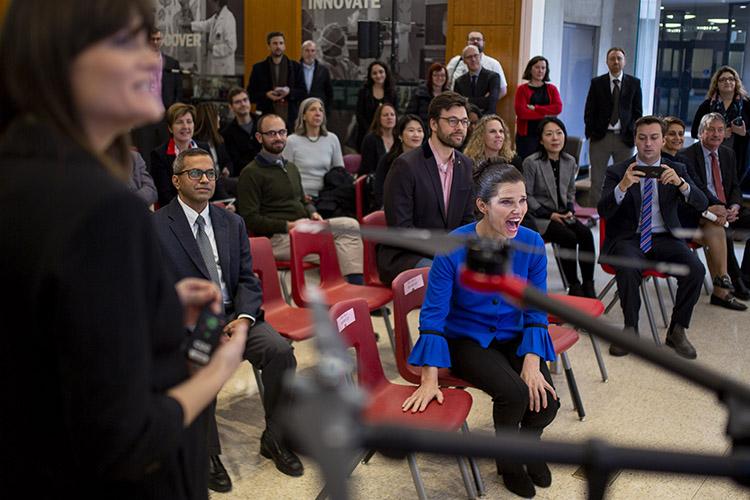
column 486, row 340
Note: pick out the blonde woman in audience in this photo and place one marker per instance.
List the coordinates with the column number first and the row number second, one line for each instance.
column 490, row 139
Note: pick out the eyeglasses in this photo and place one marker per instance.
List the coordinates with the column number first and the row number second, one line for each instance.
column 453, row 121
column 196, row 174
column 274, row 133
column 726, row 79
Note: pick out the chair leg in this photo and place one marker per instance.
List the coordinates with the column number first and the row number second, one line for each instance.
column 259, row 381
column 606, row 289
column 573, row 387
column 599, row 358
column 418, row 484
column 284, row 288
column 661, row 302
column 671, row 290
column 559, row 266
column 474, row 467
column 650, row 314
column 368, row 456
column 468, row 481
column 388, row 327
column 612, row 302
column 324, row 492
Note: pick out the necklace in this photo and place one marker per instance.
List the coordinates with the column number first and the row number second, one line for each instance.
column 311, row 139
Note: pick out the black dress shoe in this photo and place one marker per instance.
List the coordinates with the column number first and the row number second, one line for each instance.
column 740, row 290
column 519, row 483
column 589, row 290
column 619, row 351
column 677, row 340
column 724, row 282
column 540, row 474
column 576, row 290
column 286, row 461
column 218, row 478
column 730, row 302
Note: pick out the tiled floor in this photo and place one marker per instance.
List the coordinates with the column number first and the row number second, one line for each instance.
column 640, row 406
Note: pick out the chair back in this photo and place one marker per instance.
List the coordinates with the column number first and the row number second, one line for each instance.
column 352, row 319
column 264, row 266
column 352, row 163
column 370, row 266
column 359, row 197
column 409, row 289
column 302, row 244
column 573, row 146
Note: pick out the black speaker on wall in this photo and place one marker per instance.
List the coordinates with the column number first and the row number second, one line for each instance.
column 368, row 39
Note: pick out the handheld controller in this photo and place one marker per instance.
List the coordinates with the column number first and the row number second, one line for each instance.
column 205, row 336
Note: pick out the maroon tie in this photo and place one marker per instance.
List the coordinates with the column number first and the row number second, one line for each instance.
column 716, row 174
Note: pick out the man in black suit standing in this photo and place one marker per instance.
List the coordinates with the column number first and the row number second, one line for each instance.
column 641, row 216
column 480, row 86
column 429, row 187
column 239, row 134
column 317, row 77
column 613, row 105
column 201, row 240
column 166, row 82
column 276, row 83
column 713, row 168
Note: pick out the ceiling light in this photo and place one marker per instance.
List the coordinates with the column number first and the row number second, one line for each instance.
column 689, row 16
column 718, row 20
column 670, row 16
column 672, row 25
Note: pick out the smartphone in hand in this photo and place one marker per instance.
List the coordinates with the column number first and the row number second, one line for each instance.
column 651, row 172
column 205, row 337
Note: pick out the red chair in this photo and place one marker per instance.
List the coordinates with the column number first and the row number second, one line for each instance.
column 646, row 275
column 385, row 398
column 359, row 201
column 333, row 286
column 369, row 262
column 293, row 323
column 352, row 163
column 283, row 267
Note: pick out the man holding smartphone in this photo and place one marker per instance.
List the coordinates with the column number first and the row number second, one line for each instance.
column 641, row 216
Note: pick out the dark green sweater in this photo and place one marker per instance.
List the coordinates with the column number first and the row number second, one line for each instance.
column 269, row 195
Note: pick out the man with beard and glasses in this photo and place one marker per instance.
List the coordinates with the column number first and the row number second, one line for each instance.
column 272, row 201
column 429, row 187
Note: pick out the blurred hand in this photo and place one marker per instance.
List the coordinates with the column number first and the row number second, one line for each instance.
column 195, row 294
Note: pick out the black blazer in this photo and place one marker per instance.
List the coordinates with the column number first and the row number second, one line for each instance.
column 366, row 107
column 183, row 257
column 241, row 145
column 599, row 107
column 487, row 93
column 693, row 158
column 99, row 334
column 373, row 149
column 739, row 144
column 171, row 81
column 413, row 197
column 321, row 87
column 420, row 103
column 623, row 219
column 261, row 81
column 161, row 171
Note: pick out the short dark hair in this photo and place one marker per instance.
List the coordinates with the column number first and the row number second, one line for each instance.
column 673, row 120
column 274, row 34
column 178, row 110
column 235, row 91
column 531, row 63
column 445, row 101
column 649, row 120
column 540, row 128
column 178, row 165
column 492, row 172
column 259, row 126
column 615, row 49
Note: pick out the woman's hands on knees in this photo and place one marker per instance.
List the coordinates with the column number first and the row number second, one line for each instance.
column 426, row 392
column 538, row 386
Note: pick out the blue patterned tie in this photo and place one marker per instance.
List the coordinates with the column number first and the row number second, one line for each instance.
column 648, row 198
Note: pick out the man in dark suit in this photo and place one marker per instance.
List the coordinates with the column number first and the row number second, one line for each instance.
column 713, row 168
column 429, row 187
column 167, row 82
column 239, row 134
column 480, row 86
column 201, row 240
column 316, row 76
column 613, row 105
column 276, row 83
column 641, row 216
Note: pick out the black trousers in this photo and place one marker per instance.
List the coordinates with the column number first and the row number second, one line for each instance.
column 742, row 224
column 572, row 236
column 527, row 145
column 268, row 351
column 665, row 248
column 496, row 370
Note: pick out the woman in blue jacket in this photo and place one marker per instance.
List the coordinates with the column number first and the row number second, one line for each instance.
column 486, row 340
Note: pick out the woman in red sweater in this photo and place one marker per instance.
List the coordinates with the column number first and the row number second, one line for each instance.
column 534, row 101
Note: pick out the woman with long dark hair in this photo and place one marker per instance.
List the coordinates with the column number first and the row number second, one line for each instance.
column 104, row 403
column 486, row 340
column 550, row 176
column 409, row 135
column 379, row 88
